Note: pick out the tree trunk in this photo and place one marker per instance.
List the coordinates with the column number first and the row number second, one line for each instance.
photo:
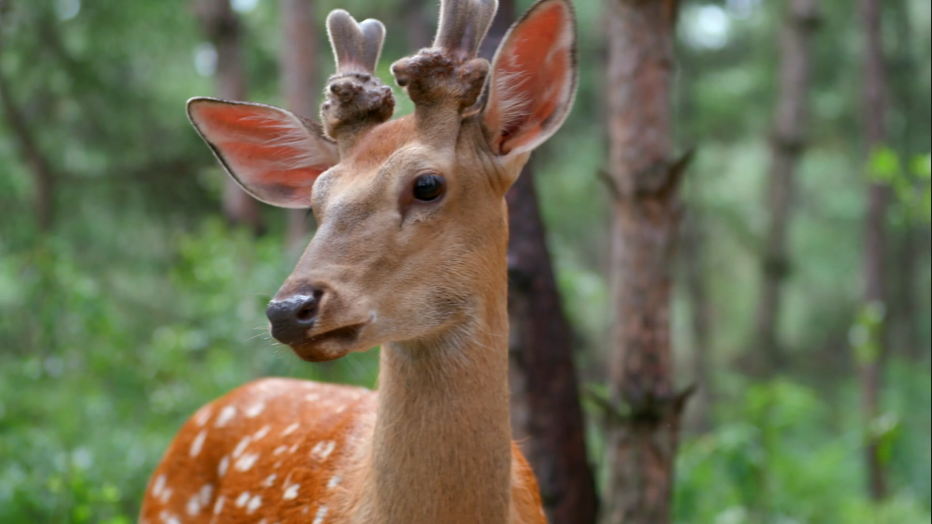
column 224, row 31
column 904, row 332
column 547, row 412
column 641, row 438
column 875, row 102
column 786, row 146
column 42, row 173
column 547, row 419
column 299, row 83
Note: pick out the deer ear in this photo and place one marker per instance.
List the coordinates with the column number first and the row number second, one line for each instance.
column 273, row 154
column 533, row 80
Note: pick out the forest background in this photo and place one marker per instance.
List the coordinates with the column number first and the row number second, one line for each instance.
column 128, row 298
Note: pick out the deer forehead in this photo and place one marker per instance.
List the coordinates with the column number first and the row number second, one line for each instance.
column 387, row 157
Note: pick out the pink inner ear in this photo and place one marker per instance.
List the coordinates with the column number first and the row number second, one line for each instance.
column 534, row 73
column 267, row 150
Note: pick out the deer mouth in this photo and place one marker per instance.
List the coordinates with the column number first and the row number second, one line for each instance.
column 329, row 345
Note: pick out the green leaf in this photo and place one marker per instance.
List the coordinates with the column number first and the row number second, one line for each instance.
column 884, row 165
column 922, row 167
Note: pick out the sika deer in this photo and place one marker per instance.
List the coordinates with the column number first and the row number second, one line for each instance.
column 410, row 254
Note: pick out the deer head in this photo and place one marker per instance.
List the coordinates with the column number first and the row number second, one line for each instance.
column 412, row 221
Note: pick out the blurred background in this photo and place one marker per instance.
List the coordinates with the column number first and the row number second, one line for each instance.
column 133, row 282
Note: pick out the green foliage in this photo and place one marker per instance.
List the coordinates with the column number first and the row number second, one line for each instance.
column 910, row 184
column 91, row 390
column 785, row 452
column 865, row 334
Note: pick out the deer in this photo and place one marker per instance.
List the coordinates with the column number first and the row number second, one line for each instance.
column 410, row 254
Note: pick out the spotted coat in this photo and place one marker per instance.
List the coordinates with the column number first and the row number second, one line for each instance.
column 279, row 451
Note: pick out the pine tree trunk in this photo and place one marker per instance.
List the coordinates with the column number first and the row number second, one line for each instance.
column 223, row 29
column 299, row 83
column 875, row 102
column 642, row 436
column 547, row 419
column 787, row 144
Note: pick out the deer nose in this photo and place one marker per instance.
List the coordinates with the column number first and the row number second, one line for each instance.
column 293, row 316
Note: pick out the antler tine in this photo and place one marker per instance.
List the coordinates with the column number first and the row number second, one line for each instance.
column 463, row 25
column 356, row 97
column 448, row 78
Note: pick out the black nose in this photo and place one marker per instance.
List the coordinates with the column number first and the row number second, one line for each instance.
column 292, row 317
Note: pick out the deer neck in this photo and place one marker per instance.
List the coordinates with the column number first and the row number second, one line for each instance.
column 441, row 446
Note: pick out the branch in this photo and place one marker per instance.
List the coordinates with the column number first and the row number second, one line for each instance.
column 38, row 164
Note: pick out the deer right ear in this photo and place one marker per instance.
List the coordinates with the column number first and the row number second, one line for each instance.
column 533, row 79
column 273, row 154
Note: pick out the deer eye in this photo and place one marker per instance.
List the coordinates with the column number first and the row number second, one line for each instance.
column 429, row 187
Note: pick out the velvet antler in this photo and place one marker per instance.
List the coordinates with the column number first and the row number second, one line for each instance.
column 355, row 97
column 446, row 80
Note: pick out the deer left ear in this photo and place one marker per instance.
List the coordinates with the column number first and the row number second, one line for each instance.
column 533, row 79
column 273, row 154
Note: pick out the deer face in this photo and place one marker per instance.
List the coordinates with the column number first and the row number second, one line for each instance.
column 412, row 221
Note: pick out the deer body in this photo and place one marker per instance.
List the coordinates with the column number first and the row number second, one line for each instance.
column 410, row 254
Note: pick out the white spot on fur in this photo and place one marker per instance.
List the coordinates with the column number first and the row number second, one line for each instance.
column 255, row 410
column 242, row 499
column 323, row 449
column 207, row 493
column 203, row 415
column 225, row 416
column 279, row 450
column 270, row 480
column 291, row 492
column 224, row 464
column 166, row 495
column 246, row 462
column 321, row 515
column 168, row 518
column 194, row 505
column 158, row 485
column 198, row 443
column 254, row 504
column 292, row 449
column 334, row 482
column 290, row 429
column 241, row 447
column 262, row 432
column 218, row 506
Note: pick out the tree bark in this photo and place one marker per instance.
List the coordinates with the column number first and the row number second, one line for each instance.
column 223, row 29
column 904, row 332
column 787, row 143
column 642, row 435
column 299, row 83
column 42, row 172
column 875, row 106
column 547, row 419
